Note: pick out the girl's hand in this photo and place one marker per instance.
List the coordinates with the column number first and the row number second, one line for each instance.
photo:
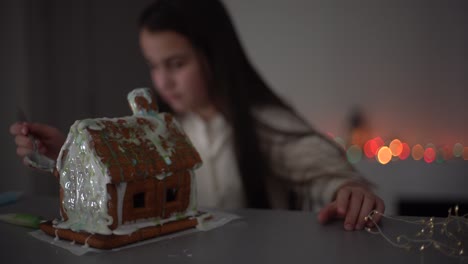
column 49, row 139
column 353, row 203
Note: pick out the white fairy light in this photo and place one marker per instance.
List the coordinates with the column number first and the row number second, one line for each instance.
column 448, row 243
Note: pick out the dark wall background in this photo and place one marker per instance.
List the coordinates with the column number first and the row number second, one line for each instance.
column 63, row 61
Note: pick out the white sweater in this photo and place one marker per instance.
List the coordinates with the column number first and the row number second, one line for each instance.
column 310, row 168
column 218, row 181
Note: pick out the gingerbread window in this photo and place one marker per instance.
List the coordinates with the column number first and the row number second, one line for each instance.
column 171, row 195
column 140, row 200
column 175, row 193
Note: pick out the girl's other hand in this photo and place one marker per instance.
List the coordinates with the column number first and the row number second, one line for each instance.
column 353, row 203
column 49, row 139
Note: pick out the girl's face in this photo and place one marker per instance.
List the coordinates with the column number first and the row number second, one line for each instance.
column 178, row 72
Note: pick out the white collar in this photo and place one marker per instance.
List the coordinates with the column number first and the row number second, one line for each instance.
column 207, row 136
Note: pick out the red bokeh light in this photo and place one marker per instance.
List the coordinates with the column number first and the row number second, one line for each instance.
column 406, row 151
column 429, row 155
column 372, row 146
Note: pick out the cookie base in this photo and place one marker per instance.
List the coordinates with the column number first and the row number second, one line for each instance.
column 113, row 241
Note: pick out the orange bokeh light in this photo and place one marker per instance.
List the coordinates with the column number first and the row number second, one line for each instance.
column 405, row 152
column 396, row 147
column 418, row 152
column 429, row 155
column 384, row 155
column 465, row 153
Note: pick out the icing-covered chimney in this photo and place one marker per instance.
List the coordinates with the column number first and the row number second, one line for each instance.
column 142, row 102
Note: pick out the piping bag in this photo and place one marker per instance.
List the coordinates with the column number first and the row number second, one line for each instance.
column 26, row 220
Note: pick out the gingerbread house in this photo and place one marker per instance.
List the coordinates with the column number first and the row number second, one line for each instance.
column 123, row 177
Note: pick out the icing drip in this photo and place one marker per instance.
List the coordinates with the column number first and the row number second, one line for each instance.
column 56, row 238
column 86, row 245
column 121, row 188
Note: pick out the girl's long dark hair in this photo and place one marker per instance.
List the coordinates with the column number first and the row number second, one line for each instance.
column 234, row 85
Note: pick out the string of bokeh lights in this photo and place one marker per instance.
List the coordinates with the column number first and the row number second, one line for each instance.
column 397, row 150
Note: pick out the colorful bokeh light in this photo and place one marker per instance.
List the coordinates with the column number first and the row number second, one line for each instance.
column 440, row 156
column 417, row 152
column 458, row 150
column 354, row 154
column 398, row 150
column 384, row 155
column 379, row 142
column 405, row 152
column 371, row 147
column 429, row 155
column 396, row 147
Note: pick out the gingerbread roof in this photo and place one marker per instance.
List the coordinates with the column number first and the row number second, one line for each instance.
column 137, row 147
